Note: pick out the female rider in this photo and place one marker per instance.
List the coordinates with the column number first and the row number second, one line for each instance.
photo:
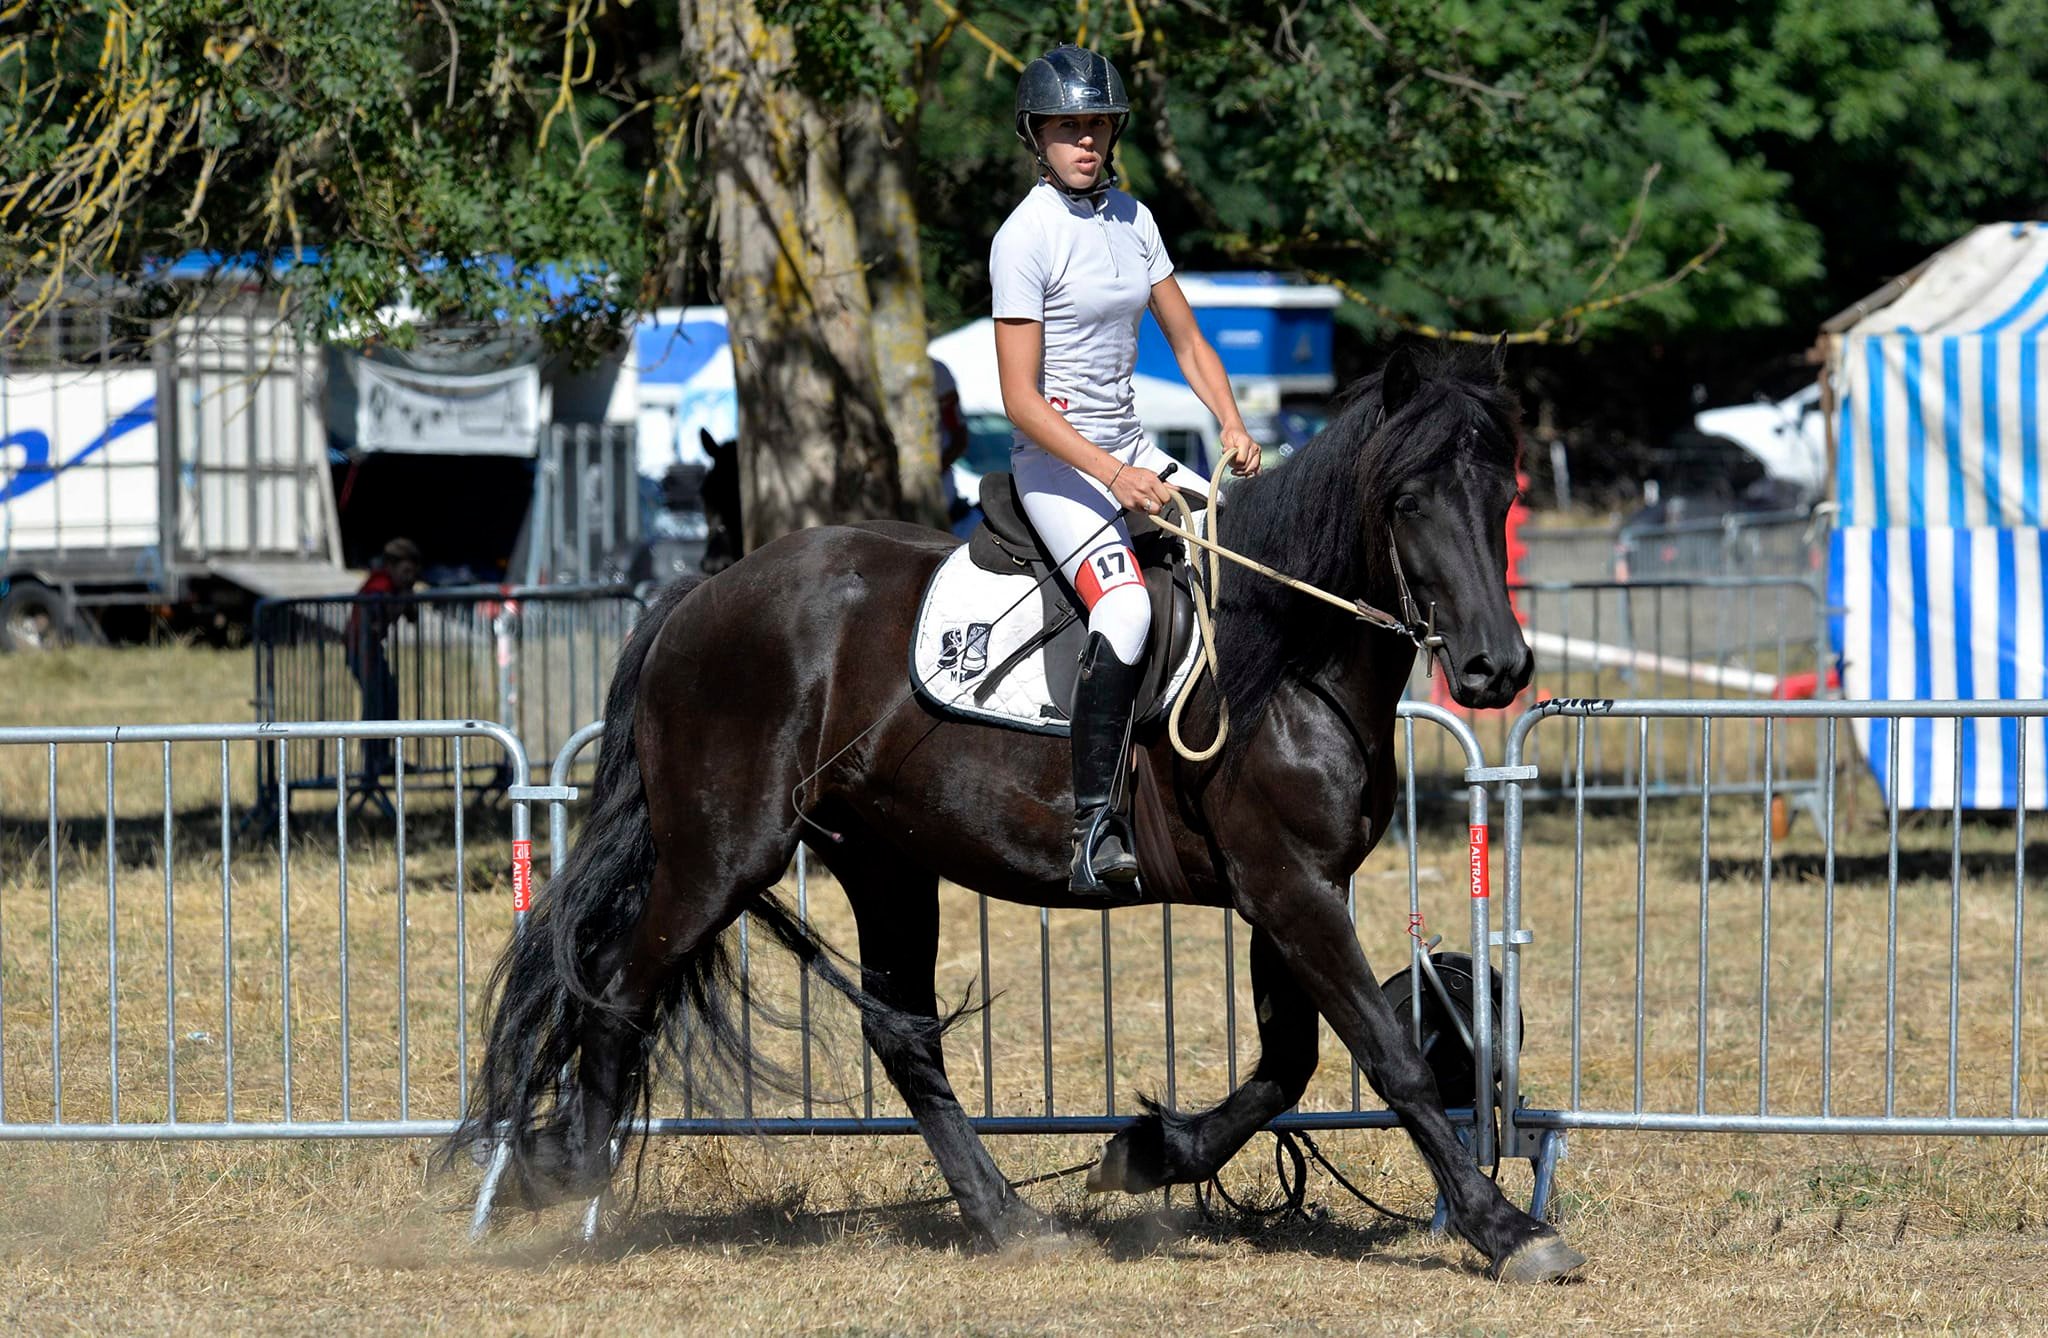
column 1073, row 269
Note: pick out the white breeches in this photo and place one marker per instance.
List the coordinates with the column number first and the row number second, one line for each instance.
column 1069, row 510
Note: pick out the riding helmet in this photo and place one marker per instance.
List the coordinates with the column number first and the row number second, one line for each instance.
column 1065, row 80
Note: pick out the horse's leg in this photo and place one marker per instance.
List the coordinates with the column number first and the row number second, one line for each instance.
column 1315, row 939
column 896, row 908
column 1166, row 1147
column 682, row 915
column 715, row 853
column 573, row 1156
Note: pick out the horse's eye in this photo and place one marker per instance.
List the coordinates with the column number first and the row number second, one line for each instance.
column 1407, row 504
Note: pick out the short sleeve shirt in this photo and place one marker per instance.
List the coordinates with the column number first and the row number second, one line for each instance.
column 1085, row 269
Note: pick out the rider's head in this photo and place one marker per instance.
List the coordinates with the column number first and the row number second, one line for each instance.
column 1071, row 110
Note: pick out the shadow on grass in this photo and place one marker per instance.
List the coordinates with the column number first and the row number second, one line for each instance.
column 1121, row 1235
column 196, row 832
column 1915, row 865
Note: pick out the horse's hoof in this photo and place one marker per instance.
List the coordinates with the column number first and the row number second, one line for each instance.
column 1544, row 1259
column 1133, row 1162
column 1106, row 1176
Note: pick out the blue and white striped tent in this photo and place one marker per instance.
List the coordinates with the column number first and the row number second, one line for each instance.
column 1940, row 561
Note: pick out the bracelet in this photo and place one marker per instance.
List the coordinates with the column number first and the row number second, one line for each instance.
column 1111, row 485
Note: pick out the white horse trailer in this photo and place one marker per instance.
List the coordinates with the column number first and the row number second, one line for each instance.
column 185, row 470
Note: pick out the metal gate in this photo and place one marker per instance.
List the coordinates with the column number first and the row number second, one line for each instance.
column 160, row 979
column 533, row 660
column 1761, row 980
column 1038, row 1069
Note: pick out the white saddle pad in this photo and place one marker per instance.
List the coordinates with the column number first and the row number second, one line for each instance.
column 964, row 634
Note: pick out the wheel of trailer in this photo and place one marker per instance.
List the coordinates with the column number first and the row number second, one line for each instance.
column 35, row 617
column 1443, row 1043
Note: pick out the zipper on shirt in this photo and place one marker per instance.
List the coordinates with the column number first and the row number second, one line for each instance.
column 1102, row 222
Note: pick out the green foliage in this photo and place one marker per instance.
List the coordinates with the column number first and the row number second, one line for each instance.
column 847, row 50
column 397, row 142
column 1477, row 164
column 1482, row 164
column 1897, row 124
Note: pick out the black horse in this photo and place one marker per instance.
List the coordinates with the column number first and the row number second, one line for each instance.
column 721, row 501
column 779, row 685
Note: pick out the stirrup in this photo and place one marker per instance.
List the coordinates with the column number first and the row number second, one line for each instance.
column 1118, row 881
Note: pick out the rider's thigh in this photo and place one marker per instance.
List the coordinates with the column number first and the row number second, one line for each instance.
column 1072, row 514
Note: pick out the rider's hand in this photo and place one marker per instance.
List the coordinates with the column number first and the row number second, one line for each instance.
column 1240, row 452
column 1141, row 491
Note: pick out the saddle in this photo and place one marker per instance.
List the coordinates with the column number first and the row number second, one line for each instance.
column 1004, row 544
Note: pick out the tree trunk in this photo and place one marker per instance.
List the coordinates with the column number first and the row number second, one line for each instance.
column 881, row 172
column 815, row 445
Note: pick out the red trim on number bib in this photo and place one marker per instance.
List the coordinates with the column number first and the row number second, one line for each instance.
column 1105, row 570
column 522, row 876
column 1479, row 890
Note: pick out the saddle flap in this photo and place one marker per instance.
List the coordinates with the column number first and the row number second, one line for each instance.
column 1173, row 631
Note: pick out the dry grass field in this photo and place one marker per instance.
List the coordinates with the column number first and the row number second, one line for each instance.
column 1684, row 1233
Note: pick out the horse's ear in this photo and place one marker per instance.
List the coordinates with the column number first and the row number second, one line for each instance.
column 1500, row 354
column 1398, row 379
column 708, row 442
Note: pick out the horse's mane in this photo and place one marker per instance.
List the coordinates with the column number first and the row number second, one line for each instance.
column 1324, row 516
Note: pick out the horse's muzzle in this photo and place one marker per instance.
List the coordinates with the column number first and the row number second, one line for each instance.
column 1489, row 680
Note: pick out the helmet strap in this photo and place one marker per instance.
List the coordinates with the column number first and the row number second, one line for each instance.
column 1103, row 181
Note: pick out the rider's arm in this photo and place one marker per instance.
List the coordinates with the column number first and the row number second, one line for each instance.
column 1020, row 351
column 1204, row 371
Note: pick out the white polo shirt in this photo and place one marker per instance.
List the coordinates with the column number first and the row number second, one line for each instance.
column 1085, row 269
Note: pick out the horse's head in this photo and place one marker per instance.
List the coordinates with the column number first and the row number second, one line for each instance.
column 721, row 501
column 1446, row 480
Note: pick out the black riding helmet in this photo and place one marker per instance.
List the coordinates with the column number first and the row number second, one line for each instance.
column 1067, row 80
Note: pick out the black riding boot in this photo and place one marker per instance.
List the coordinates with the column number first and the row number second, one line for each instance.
column 1103, row 697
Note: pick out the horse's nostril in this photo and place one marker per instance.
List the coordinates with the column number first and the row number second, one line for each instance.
column 1479, row 668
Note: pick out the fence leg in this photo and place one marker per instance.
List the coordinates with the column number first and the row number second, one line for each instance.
column 1440, row 1216
column 1550, row 1150
column 480, row 1216
column 593, row 1212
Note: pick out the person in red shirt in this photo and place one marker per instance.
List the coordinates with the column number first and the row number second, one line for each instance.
column 380, row 603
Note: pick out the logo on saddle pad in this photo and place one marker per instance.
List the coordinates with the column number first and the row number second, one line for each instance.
column 964, row 650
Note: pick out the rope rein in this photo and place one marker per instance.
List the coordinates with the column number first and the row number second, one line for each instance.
column 1411, row 624
column 1293, row 1199
column 1287, row 1148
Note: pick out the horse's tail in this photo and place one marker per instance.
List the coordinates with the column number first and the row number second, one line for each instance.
column 540, row 987
column 553, row 974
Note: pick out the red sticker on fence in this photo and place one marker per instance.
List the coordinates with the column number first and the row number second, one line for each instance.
column 522, row 876
column 1479, row 891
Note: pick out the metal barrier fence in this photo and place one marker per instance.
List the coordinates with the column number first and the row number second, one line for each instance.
column 1735, row 545
column 322, row 988
column 1827, row 981
column 585, row 512
column 1027, row 1082
column 1830, row 980
column 1720, row 639
column 535, row 660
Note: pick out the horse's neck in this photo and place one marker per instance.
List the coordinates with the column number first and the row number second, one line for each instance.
column 1369, row 676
